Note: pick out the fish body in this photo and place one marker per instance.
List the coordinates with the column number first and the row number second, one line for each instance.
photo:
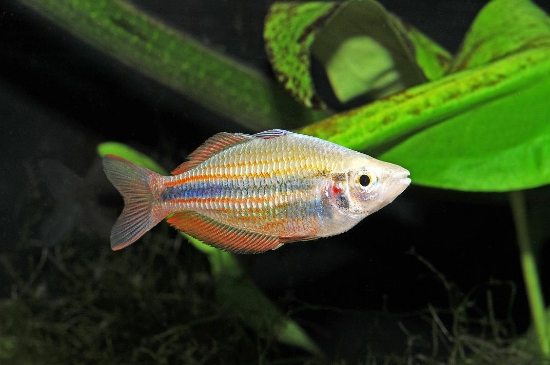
column 253, row 193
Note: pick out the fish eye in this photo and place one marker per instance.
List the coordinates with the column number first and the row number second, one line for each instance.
column 364, row 180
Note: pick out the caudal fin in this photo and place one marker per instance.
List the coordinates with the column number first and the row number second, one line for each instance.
column 134, row 184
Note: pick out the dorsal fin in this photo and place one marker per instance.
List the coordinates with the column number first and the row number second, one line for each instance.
column 222, row 236
column 272, row 133
column 213, row 145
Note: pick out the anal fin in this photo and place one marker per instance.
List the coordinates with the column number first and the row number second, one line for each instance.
column 222, row 236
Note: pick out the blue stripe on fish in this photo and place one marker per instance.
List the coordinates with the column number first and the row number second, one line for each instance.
column 226, row 188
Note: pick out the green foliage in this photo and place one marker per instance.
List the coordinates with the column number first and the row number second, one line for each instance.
column 363, row 48
column 483, row 126
column 503, row 28
column 289, row 31
column 497, row 146
column 502, row 143
column 367, row 51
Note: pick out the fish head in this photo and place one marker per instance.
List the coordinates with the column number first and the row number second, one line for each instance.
column 367, row 186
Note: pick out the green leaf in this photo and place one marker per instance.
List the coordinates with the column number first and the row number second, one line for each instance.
column 484, row 128
column 289, row 31
column 365, row 49
column 362, row 47
column 502, row 144
column 503, row 28
column 130, row 154
column 385, row 121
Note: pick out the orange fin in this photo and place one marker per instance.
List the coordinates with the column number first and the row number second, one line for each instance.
column 213, row 145
column 221, row 235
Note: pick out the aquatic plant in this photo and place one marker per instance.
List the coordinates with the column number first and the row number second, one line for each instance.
column 477, row 121
column 480, row 125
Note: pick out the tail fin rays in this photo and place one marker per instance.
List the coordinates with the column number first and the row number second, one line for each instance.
column 140, row 212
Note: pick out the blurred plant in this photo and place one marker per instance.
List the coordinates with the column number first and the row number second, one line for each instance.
column 474, row 122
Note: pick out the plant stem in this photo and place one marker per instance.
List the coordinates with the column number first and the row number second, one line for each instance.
column 529, row 268
column 177, row 60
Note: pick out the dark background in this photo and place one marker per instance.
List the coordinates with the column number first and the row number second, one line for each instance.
column 59, row 97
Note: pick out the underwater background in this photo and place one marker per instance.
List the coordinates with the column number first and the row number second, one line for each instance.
column 435, row 273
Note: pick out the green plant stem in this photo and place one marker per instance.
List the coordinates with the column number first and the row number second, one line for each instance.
column 530, row 273
column 178, row 61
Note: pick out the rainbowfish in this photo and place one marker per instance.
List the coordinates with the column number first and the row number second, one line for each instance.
column 252, row 193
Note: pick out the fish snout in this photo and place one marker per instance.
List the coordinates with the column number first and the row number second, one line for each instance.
column 401, row 181
column 397, row 181
column 403, row 178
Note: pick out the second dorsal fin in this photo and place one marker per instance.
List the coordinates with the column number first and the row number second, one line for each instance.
column 213, row 145
column 272, row 133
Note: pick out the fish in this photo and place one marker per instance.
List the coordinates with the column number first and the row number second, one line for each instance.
column 253, row 193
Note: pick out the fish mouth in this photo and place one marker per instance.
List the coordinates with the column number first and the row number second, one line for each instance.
column 405, row 179
column 401, row 182
column 397, row 185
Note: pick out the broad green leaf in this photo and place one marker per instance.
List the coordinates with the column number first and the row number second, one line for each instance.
column 365, row 49
column 177, row 60
column 290, row 29
column 384, row 122
column 504, row 142
column 362, row 47
column 483, row 128
column 501, row 145
column 234, row 289
column 503, row 28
